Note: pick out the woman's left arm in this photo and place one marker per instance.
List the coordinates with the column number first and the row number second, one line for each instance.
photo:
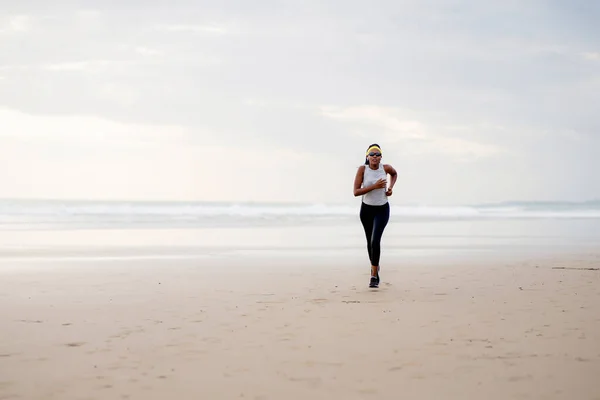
column 392, row 172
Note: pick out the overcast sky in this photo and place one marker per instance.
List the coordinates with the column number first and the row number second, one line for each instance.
column 471, row 101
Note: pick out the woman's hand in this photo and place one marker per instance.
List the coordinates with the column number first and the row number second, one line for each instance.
column 388, row 192
column 380, row 184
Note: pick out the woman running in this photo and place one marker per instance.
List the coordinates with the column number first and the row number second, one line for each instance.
column 370, row 183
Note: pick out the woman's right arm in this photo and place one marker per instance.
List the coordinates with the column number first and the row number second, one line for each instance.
column 358, row 180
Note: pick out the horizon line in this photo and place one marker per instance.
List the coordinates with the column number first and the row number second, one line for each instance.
column 266, row 202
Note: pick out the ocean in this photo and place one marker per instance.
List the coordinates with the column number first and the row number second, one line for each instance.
column 29, row 228
column 57, row 214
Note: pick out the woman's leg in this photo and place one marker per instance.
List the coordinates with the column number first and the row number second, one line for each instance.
column 366, row 218
column 380, row 221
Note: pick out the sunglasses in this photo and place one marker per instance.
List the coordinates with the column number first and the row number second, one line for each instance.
column 375, row 154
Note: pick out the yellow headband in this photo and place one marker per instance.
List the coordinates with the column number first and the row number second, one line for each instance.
column 373, row 148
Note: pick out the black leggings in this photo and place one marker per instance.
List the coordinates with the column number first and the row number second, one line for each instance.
column 374, row 219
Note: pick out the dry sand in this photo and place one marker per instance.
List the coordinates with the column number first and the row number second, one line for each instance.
column 183, row 330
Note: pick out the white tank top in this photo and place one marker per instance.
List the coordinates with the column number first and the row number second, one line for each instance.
column 375, row 197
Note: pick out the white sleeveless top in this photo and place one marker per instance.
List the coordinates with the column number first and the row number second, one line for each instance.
column 375, row 197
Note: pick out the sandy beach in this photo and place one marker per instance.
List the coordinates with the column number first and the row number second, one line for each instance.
column 193, row 198
column 294, row 329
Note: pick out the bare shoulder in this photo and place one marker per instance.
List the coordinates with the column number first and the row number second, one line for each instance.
column 389, row 169
column 360, row 171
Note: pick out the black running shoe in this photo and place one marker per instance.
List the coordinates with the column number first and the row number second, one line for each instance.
column 374, row 282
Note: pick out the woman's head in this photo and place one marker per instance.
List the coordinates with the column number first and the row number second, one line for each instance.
column 373, row 153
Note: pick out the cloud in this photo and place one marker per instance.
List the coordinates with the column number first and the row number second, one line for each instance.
column 89, row 14
column 148, row 52
column 85, row 129
column 83, row 66
column 14, row 67
column 255, row 102
column 399, row 129
column 17, row 24
column 395, row 127
column 90, row 157
column 212, row 29
column 591, row 55
column 438, row 83
column 461, row 149
column 98, row 66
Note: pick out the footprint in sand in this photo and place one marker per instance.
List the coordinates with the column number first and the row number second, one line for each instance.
column 367, row 391
column 6, row 385
column 75, row 344
column 518, row 378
